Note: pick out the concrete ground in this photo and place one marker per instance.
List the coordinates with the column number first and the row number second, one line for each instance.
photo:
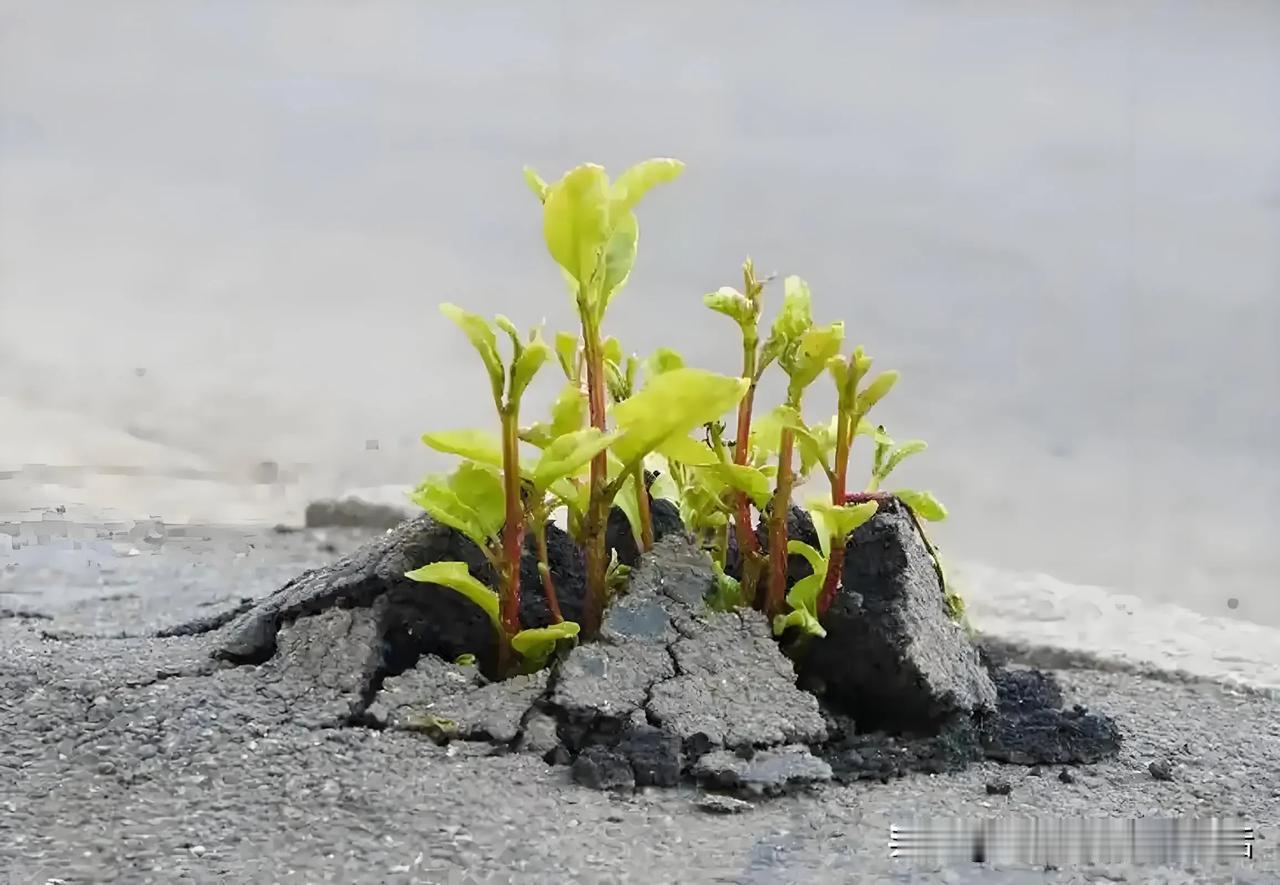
column 128, row 759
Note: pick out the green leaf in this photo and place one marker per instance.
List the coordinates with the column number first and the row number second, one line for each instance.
column 465, row 660
column 637, row 181
column 672, row 405
column 567, row 354
column 620, row 254
column 575, row 221
column 726, row 595
column 688, row 451
column 569, row 453
column 817, row 444
column 875, row 431
column 663, row 486
column 841, row 520
column 746, row 479
column 908, row 448
column 733, row 304
column 807, row 623
column 803, row 599
column 611, row 348
column 480, row 333
column 766, row 429
column 807, row 359
column 569, row 411
column 627, row 501
column 480, row 489
column 536, row 184
column 922, row 504
column 527, row 363
column 512, row 332
column 662, row 360
column 876, row 390
column 817, row 561
column 795, row 317
column 536, row 644
column 444, row 506
column 474, row 445
column 455, row 576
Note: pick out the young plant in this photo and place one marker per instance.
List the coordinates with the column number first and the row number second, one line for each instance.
column 487, row 497
column 802, row 350
column 592, row 232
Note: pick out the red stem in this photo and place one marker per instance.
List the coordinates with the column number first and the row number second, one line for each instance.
column 835, row 563
column 646, row 516
column 748, row 545
column 778, row 528
column 548, row 587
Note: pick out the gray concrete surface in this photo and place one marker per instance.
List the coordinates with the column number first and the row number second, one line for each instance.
column 128, row 759
column 224, row 228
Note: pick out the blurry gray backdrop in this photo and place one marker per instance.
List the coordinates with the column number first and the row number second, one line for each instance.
column 225, row 228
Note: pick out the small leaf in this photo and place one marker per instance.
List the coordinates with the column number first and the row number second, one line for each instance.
column 672, row 405
column 480, row 333
column 875, row 431
column 611, row 347
column 455, row 576
column 876, row 391
column 637, row 181
column 793, row 320
column 444, row 506
column 662, row 360
column 627, row 501
column 481, row 490
column 536, row 644
column 575, row 221
column 567, row 354
column 569, row 411
column 803, row 599
column 807, row 359
column 619, row 254
column 922, row 504
column 688, row 451
column 816, row 560
column 746, row 479
column 569, row 453
column 474, row 445
column 908, row 448
column 536, row 184
column 801, row 619
column 465, row 660
column 526, row 365
column 663, row 486
column 841, row 520
column 512, row 332
column 726, row 594
column 766, row 429
column 733, row 304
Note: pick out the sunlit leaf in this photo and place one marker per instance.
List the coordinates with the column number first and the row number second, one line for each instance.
column 663, row 486
column 688, row 451
column 526, row 365
column 795, row 317
column 628, row 502
column 766, row 429
column 474, row 445
column 512, row 332
column 480, row 488
column 876, row 390
column 444, row 506
column 536, row 184
column 803, row 599
column 908, row 448
column 662, row 360
column 481, row 336
column 672, row 405
column 620, row 253
column 569, row 410
column 746, row 479
column 568, row 453
column 733, row 304
column 455, row 576
column 536, row 644
column 576, row 220
column 637, row 181
column 817, row 561
column 923, row 504
column 567, row 354
column 807, row 359
column 726, row 594
column 841, row 520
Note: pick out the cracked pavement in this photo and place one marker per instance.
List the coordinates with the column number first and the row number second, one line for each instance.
column 138, row 759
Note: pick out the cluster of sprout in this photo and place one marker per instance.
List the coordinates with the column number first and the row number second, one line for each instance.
column 619, row 418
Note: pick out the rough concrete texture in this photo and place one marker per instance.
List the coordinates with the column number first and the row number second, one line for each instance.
column 137, row 760
column 914, row 667
column 765, row 773
column 1031, row 728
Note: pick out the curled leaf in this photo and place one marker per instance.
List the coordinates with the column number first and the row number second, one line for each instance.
column 481, row 336
column 536, row 644
column 475, row 445
column 637, row 181
column 733, row 304
column 876, row 391
column 536, row 184
column 444, row 506
column 922, row 504
column 568, row 454
column 455, row 576
column 672, row 405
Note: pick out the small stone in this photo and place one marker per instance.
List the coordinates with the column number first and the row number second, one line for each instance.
column 1066, row 777
column 717, row 804
column 106, row 768
column 768, row 772
column 197, row 850
column 999, row 788
column 1161, row 770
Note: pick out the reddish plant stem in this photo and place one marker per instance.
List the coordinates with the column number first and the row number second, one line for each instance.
column 864, row 497
column 593, row 529
column 835, row 562
column 778, row 528
column 748, row 545
column 548, row 587
column 512, row 534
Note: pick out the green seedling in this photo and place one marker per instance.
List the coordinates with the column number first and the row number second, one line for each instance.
column 591, row 231
column 487, row 497
column 802, row 350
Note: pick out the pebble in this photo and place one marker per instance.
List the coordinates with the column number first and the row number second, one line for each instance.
column 1161, row 770
column 999, row 788
column 717, row 804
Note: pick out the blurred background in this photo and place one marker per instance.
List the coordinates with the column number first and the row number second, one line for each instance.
column 225, row 228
